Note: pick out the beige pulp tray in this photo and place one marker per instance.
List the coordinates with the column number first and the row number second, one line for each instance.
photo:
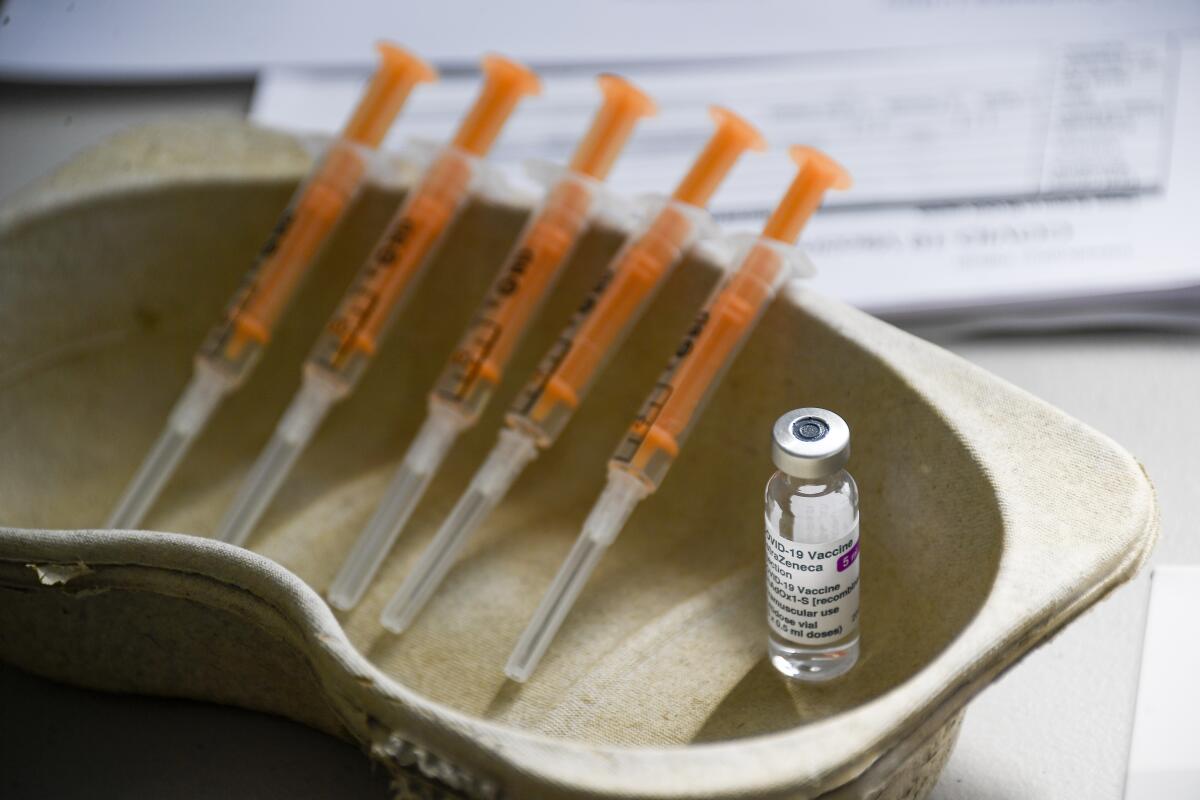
column 990, row 519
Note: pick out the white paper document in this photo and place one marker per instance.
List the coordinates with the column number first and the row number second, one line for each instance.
column 1164, row 754
column 1027, row 184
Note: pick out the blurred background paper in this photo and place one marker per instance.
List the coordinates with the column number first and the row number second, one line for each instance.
column 151, row 39
column 1015, row 186
column 1018, row 166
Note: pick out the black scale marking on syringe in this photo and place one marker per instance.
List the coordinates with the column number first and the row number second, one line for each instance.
column 469, row 360
column 363, row 299
column 561, row 347
column 511, row 280
column 644, row 422
column 659, row 394
column 249, row 284
column 472, row 357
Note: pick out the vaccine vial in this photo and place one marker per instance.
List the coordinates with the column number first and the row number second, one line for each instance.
column 812, row 548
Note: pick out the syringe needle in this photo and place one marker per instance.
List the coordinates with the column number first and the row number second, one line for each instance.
column 493, row 480
column 424, row 457
column 553, row 609
column 201, row 397
column 159, row 465
column 428, row 573
column 295, row 429
column 260, row 486
column 608, row 516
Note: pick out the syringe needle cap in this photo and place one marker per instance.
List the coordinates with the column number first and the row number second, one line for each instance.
column 818, row 174
column 733, row 136
column 399, row 71
column 624, row 104
column 505, row 82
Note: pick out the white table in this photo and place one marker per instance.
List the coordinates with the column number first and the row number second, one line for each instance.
column 1058, row 724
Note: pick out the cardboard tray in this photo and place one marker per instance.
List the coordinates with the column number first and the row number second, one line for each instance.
column 989, row 519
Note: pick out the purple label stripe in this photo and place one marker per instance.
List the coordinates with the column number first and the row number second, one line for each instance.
column 847, row 558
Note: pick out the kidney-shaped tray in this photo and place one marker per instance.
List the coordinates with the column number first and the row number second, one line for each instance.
column 989, row 519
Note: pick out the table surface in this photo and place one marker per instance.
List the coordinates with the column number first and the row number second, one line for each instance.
column 1061, row 718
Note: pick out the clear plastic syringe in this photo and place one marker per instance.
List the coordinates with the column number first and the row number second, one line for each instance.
column 562, row 380
column 372, row 302
column 678, row 399
column 233, row 347
column 477, row 363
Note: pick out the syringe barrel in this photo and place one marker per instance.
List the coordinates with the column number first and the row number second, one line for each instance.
column 699, row 363
column 515, row 297
column 375, row 297
column 234, row 345
column 603, row 320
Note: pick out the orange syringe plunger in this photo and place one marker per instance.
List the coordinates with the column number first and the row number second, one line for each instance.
column 399, row 71
column 361, row 320
column 505, row 83
column 818, row 174
column 533, row 265
column 316, row 209
column 624, row 104
column 733, row 137
column 640, row 267
column 679, row 397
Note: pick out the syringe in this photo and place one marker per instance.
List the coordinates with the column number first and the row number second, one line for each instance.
column 477, row 363
column 562, row 380
column 669, row 413
column 372, row 302
column 233, row 347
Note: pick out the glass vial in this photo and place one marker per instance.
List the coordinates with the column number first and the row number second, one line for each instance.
column 812, row 548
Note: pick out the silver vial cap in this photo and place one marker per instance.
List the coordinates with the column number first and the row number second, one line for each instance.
column 810, row 443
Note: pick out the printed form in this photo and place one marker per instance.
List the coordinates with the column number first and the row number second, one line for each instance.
column 1024, row 184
